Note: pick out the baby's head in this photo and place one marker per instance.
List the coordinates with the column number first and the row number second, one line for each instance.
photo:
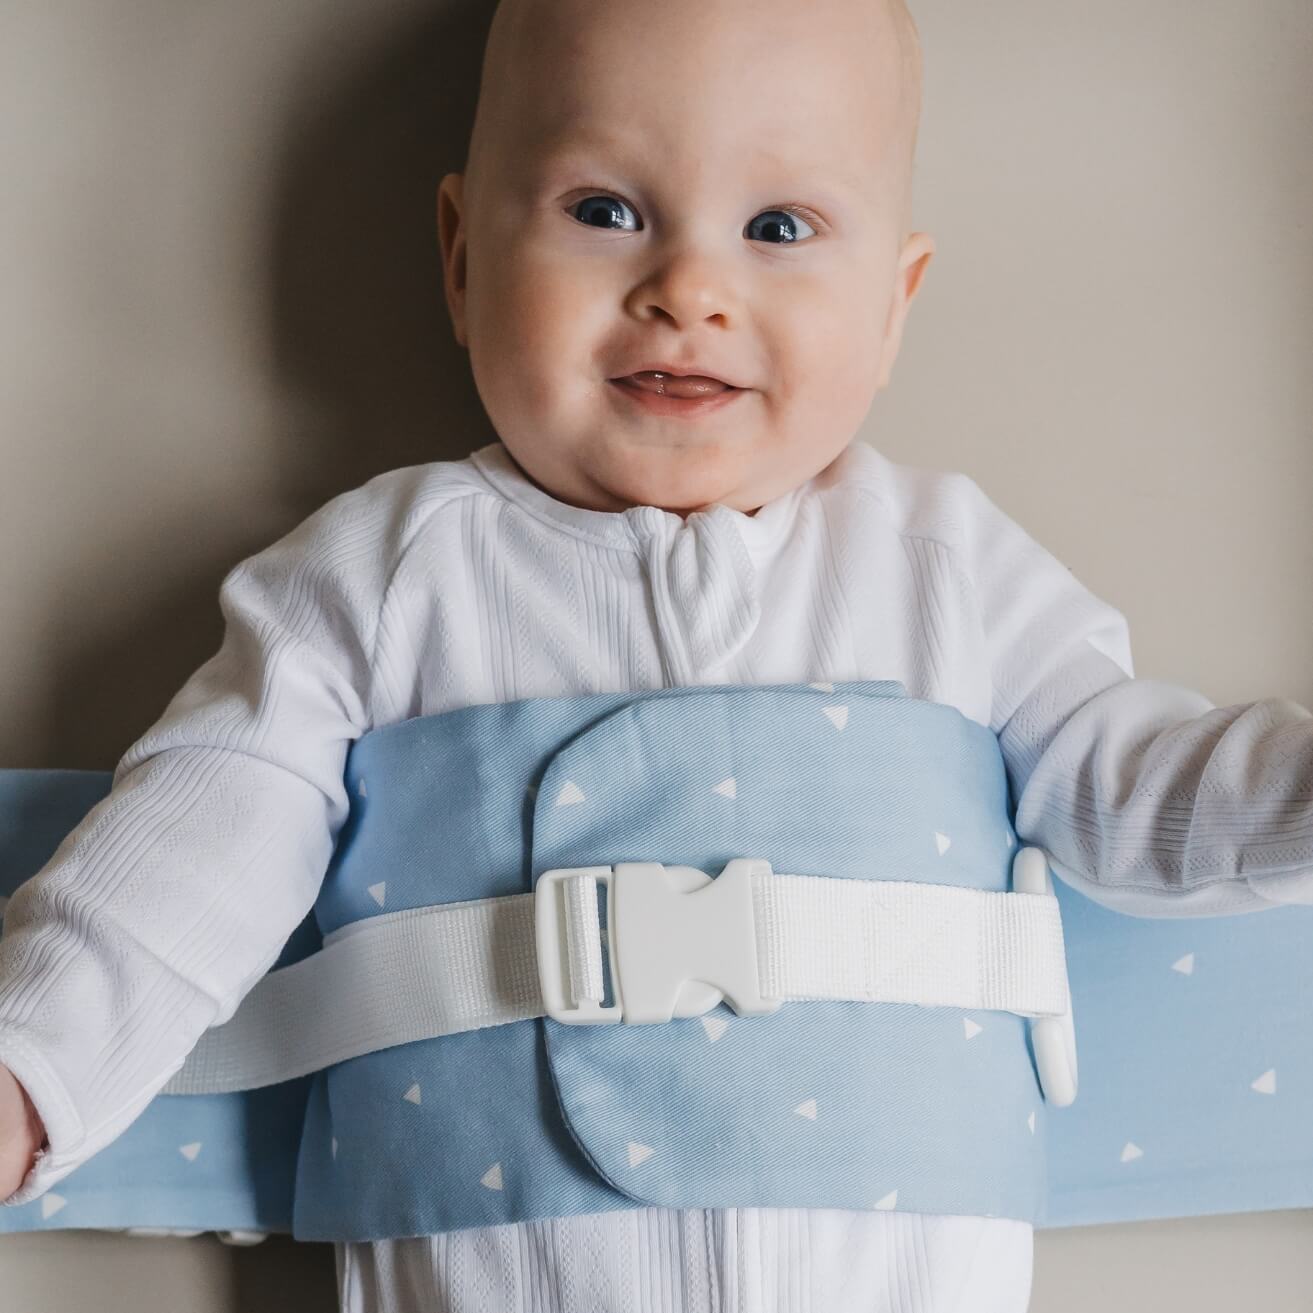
column 722, row 186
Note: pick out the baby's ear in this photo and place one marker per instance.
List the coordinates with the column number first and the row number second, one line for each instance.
column 916, row 255
column 918, row 251
column 451, row 238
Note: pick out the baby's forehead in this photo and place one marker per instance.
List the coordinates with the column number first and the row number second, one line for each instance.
column 827, row 82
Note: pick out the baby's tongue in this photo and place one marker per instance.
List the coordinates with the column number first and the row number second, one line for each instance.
column 691, row 385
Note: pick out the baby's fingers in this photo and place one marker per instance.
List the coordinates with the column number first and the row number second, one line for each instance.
column 21, row 1133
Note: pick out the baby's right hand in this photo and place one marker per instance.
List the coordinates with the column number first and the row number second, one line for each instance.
column 21, row 1133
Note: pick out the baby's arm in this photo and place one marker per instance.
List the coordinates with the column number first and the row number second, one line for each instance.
column 177, row 892
column 1147, row 797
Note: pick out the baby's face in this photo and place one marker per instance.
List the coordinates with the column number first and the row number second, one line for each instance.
column 716, row 185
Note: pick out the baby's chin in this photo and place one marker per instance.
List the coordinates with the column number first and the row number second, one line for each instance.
column 678, row 475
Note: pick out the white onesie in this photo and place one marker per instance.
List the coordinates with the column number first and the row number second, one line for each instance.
column 454, row 583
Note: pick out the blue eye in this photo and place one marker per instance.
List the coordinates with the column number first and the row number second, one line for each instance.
column 599, row 211
column 598, row 215
column 785, row 229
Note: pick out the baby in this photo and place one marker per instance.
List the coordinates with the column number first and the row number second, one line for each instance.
column 680, row 261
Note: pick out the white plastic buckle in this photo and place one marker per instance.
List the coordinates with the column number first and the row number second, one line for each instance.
column 677, row 940
column 1052, row 1038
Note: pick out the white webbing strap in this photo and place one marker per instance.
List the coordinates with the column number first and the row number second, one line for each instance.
column 440, row 970
column 583, row 941
column 388, row 980
column 935, row 945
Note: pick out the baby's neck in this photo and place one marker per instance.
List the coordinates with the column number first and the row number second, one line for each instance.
column 683, row 515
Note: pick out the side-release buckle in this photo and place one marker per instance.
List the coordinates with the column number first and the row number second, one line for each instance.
column 677, row 941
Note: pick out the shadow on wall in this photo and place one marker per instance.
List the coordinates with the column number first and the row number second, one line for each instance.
column 360, row 321
column 362, row 354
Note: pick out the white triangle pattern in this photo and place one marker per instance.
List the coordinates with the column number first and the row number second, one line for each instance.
column 189, row 1151
column 570, row 794
column 51, row 1203
column 715, row 1027
column 837, row 716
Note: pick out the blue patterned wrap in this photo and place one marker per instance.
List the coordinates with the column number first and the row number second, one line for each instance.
column 1195, row 1067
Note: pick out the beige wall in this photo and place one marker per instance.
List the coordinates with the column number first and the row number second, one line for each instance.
column 220, row 303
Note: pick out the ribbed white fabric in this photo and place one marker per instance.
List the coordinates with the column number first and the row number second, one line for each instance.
column 451, row 583
column 734, row 1260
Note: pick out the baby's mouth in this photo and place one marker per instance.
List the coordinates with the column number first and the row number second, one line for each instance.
column 687, row 387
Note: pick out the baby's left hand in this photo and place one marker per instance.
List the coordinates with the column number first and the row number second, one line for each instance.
column 22, row 1133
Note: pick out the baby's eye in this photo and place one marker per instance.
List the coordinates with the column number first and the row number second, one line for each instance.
column 785, row 229
column 598, row 216
column 599, row 211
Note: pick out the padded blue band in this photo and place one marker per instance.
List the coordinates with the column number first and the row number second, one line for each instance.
column 1179, row 1022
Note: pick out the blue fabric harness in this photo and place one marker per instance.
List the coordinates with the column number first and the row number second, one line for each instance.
column 1185, row 1026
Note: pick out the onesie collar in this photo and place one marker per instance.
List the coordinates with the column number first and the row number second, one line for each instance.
column 631, row 527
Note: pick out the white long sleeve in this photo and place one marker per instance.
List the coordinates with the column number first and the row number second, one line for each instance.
column 461, row 582
column 177, row 892
column 1148, row 798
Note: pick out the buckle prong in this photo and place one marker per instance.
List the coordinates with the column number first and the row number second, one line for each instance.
column 1053, row 1039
